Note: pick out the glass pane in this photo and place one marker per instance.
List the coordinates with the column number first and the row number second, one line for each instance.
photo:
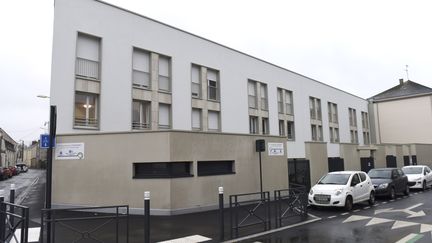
column 135, row 112
column 141, row 79
column 196, row 90
column 164, row 63
column 164, row 116
column 80, row 102
column 196, row 118
column 196, row 74
column 164, row 83
column 213, row 120
column 141, row 61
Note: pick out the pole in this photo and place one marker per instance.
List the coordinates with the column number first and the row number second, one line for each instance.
column 2, row 216
column 147, row 217
column 221, row 214
column 52, row 134
column 260, row 164
column 12, row 201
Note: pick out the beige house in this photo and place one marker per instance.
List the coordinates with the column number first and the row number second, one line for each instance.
column 34, row 156
column 8, row 149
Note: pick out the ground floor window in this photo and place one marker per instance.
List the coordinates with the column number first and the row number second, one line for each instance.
column 162, row 170
column 206, row 168
column 86, row 110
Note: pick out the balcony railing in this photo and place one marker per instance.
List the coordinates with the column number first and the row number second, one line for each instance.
column 140, row 125
column 86, row 122
column 87, row 68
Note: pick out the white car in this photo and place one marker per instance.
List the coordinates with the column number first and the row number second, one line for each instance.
column 419, row 176
column 342, row 189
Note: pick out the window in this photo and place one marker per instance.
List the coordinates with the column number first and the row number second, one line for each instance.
column 161, row 170
column 141, row 111
column 317, row 133
column 355, row 180
column 196, row 82
column 289, row 103
column 354, row 136
column 253, row 125
column 362, row 176
column 141, row 69
column 280, row 100
column 86, row 110
column 366, row 139
column 365, row 120
column 315, row 108
column 352, row 117
column 264, row 101
column 336, row 135
column 87, row 57
column 265, row 125
column 332, row 113
column 213, row 121
column 281, row 128
column 320, row 133
column 314, row 133
column 290, row 130
column 331, row 135
column 213, row 89
column 252, row 93
column 164, row 116
column 164, row 73
column 208, row 168
column 196, row 119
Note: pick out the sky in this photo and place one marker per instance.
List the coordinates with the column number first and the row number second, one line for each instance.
column 361, row 47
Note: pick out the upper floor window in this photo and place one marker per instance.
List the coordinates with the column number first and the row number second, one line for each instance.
column 365, row 120
column 141, row 114
column 315, row 108
column 196, row 81
column 213, row 84
column 164, row 116
column 289, row 102
column 290, row 130
column 280, row 99
column 332, row 112
column 164, row 73
column 265, row 125
column 86, row 110
column 252, row 94
column 196, row 119
column 87, row 57
column 141, row 69
column 253, row 124
column 317, row 133
column 264, row 100
column 213, row 121
column 352, row 117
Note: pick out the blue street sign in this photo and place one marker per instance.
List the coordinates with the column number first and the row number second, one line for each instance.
column 44, row 141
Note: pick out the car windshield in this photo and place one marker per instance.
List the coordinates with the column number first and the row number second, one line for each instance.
column 335, row 179
column 412, row 170
column 385, row 174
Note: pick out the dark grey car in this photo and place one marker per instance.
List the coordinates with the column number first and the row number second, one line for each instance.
column 389, row 182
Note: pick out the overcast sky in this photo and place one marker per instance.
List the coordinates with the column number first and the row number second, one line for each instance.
column 361, row 47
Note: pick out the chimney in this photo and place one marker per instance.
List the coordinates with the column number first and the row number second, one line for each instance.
column 401, row 81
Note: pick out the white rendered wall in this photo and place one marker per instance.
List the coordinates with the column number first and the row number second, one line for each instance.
column 121, row 31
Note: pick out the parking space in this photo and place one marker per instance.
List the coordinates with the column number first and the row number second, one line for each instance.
column 403, row 219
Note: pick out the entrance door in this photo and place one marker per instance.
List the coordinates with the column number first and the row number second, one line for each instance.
column 299, row 173
column 391, row 161
column 336, row 164
column 406, row 160
column 367, row 164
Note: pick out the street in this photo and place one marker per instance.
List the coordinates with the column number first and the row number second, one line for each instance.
column 405, row 219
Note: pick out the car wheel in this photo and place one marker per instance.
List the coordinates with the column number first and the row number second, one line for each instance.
column 424, row 186
column 348, row 203
column 372, row 198
column 392, row 193
column 407, row 190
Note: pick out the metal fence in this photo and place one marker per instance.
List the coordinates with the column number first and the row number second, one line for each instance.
column 290, row 203
column 13, row 218
column 83, row 224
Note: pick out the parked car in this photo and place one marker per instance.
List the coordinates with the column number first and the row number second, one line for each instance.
column 389, row 181
column 419, row 176
column 22, row 167
column 7, row 173
column 3, row 175
column 13, row 170
column 342, row 189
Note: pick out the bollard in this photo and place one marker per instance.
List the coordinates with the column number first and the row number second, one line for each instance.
column 2, row 217
column 221, row 215
column 12, row 201
column 147, row 217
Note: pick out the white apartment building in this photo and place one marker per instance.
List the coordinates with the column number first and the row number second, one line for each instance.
column 156, row 108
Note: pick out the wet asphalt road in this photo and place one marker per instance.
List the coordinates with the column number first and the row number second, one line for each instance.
column 22, row 182
column 406, row 219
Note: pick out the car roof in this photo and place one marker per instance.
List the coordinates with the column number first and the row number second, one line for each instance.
column 345, row 172
column 384, row 168
column 414, row 166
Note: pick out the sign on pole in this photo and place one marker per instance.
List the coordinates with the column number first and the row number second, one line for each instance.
column 275, row 149
column 45, row 141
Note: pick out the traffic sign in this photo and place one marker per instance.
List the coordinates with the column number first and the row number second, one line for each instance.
column 45, row 141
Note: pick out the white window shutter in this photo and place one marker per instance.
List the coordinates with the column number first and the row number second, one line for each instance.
column 141, row 61
column 164, row 66
column 196, row 118
column 213, row 120
column 164, row 115
column 88, row 47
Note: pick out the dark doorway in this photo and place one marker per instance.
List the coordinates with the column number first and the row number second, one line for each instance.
column 336, row 164
column 414, row 159
column 367, row 164
column 299, row 173
column 406, row 160
column 391, row 161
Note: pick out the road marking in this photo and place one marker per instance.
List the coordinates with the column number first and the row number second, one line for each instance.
column 425, row 228
column 410, row 238
column 330, row 217
column 343, row 213
column 392, row 200
column 375, row 221
column 355, row 218
column 384, row 202
column 366, row 207
column 402, row 224
column 357, row 210
column 188, row 239
column 408, row 210
column 272, row 231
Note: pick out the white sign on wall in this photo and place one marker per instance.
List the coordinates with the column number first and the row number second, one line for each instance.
column 69, row 151
column 275, row 149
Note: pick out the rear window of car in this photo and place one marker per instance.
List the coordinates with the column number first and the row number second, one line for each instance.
column 362, row 176
column 412, row 170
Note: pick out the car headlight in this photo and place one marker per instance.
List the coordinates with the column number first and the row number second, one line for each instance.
column 384, row 185
column 311, row 192
column 338, row 192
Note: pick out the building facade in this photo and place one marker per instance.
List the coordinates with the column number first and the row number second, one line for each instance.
column 156, row 108
column 34, row 156
column 8, row 149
